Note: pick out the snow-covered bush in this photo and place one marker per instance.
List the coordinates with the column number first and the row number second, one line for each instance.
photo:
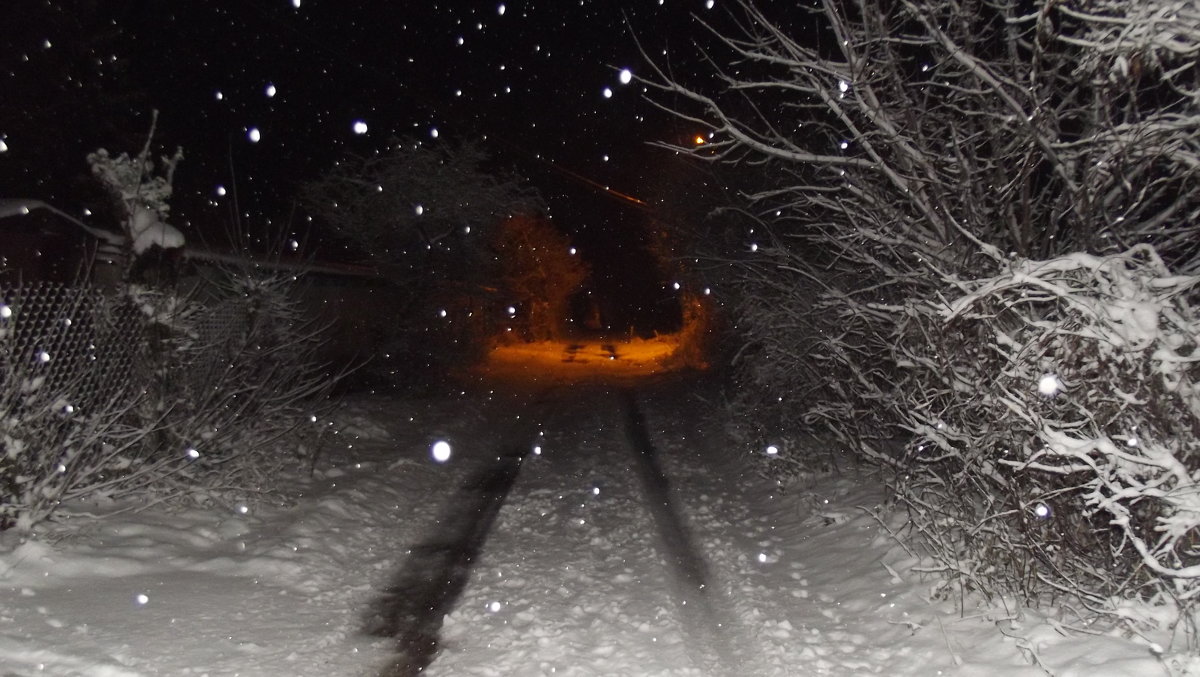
column 1056, row 418
column 69, row 420
column 235, row 373
column 149, row 393
column 912, row 173
column 141, row 191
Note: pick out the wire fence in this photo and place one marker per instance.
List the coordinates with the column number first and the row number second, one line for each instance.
column 85, row 347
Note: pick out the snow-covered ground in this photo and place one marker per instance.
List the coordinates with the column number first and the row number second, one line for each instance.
column 586, row 571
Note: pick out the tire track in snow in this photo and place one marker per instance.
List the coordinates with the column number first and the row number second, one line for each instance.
column 707, row 625
column 436, row 572
column 572, row 581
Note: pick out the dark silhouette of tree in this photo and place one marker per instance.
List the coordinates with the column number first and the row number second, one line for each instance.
column 425, row 214
column 394, row 205
column 540, row 272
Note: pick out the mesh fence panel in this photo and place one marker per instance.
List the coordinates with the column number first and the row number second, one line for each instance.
column 74, row 343
column 85, row 347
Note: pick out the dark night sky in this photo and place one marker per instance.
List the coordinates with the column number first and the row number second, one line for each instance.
column 529, row 76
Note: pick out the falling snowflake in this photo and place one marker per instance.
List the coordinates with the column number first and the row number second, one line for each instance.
column 440, row 451
column 1049, row 385
column 254, row 135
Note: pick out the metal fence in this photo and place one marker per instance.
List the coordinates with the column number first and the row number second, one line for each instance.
column 70, row 342
column 86, row 347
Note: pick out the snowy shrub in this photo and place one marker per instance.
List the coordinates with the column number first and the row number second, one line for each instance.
column 1056, row 418
column 141, row 191
column 925, row 180
column 235, row 373
column 69, row 420
column 151, row 394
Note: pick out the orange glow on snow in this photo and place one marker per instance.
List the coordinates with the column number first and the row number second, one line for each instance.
column 600, row 359
column 583, row 360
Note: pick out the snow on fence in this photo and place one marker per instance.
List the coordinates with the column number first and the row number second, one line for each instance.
column 85, row 346
column 102, row 395
column 74, row 342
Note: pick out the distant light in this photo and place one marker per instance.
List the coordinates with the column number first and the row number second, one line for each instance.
column 772, row 450
column 1042, row 510
column 193, row 454
column 219, row 95
column 512, row 310
column 626, row 76
column 608, row 92
column 142, row 599
column 441, row 451
column 359, row 127
column 254, row 135
column 221, row 191
column 699, row 140
column 676, row 286
column 270, row 90
column 707, row 291
column 844, row 145
column 754, row 247
column 433, row 133
column 572, row 250
column 419, row 210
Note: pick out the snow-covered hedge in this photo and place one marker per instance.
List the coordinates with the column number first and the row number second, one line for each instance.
column 1056, row 421
column 210, row 398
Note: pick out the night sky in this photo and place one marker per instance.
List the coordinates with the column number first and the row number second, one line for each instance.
column 539, row 81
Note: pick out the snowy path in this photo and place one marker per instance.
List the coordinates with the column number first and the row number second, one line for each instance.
column 575, row 543
column 602, row 560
